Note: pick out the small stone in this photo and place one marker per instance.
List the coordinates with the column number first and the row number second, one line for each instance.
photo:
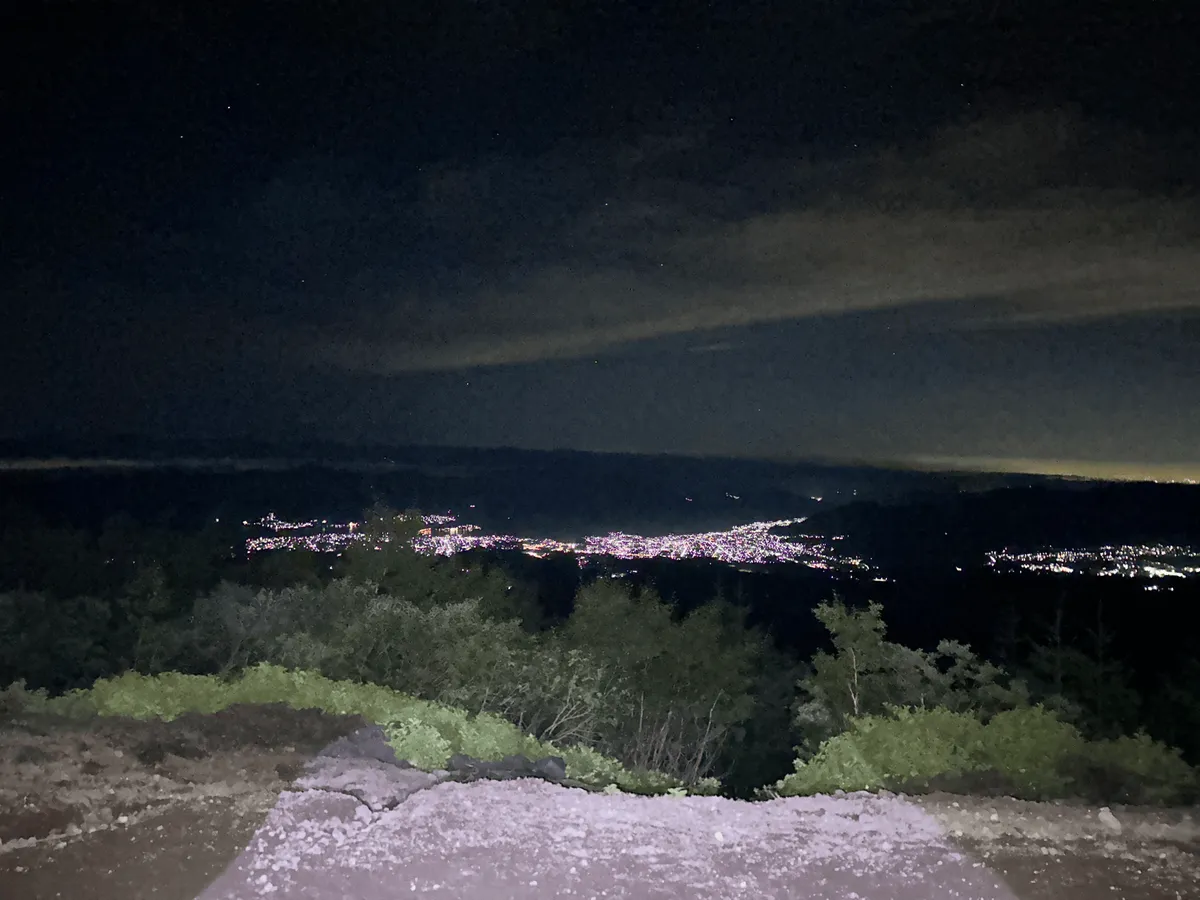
column 1108, row 820
column 994, row 817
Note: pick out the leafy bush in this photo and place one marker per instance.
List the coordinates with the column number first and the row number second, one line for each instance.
column 492, row 737
column 418, row 742
column 866, row 675
column 885, row 751
column 676, row 691
column 1031, row 746
column 1136, row 770
column 451, row 652
column 17, row 700
column 559, row 694
column 919, row 744
column 165, row 696
column 1031, row 751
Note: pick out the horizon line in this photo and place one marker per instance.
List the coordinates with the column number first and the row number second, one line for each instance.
column 1087, row 470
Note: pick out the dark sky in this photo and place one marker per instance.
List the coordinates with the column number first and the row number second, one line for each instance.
column 937, row 230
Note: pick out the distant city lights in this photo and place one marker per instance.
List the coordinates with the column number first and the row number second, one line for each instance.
column 1153, row 561
column 755, row 543
column 443, row 535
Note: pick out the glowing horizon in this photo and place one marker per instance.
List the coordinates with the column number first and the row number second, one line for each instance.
column 1092, row 470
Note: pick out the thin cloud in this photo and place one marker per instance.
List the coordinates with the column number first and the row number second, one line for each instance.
column 718, row 347
column 1034, row 217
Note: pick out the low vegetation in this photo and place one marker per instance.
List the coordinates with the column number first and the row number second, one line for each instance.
column 879, row 715
column 1026, row 753
column 627, row 688
column 424, row 733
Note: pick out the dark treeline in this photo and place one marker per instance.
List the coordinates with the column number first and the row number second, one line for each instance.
column 691, row 667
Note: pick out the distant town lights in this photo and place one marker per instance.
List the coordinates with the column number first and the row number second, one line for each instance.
column 754, row 543
column 1127, row 561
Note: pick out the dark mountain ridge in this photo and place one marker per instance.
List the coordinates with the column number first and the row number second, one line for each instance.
column 959, row 528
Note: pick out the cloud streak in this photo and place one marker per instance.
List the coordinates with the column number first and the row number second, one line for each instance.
column 1015, row 221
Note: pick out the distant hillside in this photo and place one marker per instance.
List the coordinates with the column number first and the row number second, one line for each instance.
column 566, row 494
column 957, row 529
column 571, row 493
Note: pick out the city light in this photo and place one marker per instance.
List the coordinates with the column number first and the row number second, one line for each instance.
column 442, row 535
column 1155, row 561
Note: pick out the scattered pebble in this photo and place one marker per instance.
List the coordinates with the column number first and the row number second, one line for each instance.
column 1108, row 820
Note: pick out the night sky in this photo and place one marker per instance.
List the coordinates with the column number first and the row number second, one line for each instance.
column 946, row 231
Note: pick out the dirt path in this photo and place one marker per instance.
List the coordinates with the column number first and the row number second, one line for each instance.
column 239, row 805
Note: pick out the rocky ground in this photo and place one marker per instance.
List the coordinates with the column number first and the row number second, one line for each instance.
column 204, row 805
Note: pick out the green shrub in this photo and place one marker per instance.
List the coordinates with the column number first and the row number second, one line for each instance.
column 165, row 696
column 919, row 744
column 16, row 700
column 1029, row 753
column 887, row 751
column 491, row 737
column 674, row 691
column 1031, row 747
column 866, row 675
column 590, row 766
column 839, row 765
column 1135, row 769
column 450, row 651
column 418, row 742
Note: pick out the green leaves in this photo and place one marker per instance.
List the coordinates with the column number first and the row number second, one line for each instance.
column 418, row 742
column 677, row 688
column 1142, row 770
column 1030, row 751
column 867, row 675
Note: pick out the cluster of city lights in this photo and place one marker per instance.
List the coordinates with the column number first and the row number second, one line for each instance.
column 1126, row 561
column 754, row 543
